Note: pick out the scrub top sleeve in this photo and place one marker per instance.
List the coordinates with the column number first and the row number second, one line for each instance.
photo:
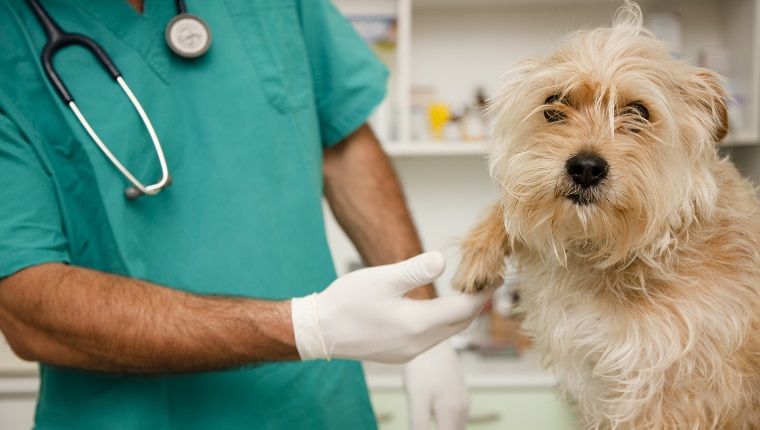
column 31, row 230
column 349, row 79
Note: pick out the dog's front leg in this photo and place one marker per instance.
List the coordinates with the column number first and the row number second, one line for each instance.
column 483, row 252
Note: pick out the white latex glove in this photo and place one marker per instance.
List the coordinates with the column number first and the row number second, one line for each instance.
column 365, row 316
column 435, row 388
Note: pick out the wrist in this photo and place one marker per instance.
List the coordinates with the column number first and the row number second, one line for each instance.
column 307, row 335
column 273, row 328
column 285, row 331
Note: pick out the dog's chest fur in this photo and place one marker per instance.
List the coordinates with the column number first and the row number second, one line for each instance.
column 617, row 339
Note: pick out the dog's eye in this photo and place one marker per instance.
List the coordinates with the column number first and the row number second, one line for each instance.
column 554, row 115
column 638, row 109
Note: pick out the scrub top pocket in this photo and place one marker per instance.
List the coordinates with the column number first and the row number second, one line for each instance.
column 271, row 33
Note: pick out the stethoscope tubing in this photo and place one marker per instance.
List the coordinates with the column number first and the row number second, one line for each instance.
column 149, row 189
column 58, row 39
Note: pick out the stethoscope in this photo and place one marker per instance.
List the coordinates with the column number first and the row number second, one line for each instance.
column 187, row 36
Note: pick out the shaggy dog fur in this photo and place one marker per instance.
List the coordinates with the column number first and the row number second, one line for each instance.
column 638, row 245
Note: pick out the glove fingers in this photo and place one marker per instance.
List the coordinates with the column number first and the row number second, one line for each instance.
column 416, row 271
column 455, row 309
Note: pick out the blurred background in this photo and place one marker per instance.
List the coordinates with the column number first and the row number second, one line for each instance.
column 447, row 57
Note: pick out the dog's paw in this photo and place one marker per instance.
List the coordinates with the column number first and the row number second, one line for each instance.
column 483, row 252
column 478, row 271
column 470, row 283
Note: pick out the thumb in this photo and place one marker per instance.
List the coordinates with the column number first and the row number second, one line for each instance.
column 420, row 270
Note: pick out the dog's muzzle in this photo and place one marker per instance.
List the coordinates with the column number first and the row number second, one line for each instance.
column 586, row 171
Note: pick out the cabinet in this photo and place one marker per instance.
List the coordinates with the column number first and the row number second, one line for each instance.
column 504, row 393
column 492, row 409
column 453, row 47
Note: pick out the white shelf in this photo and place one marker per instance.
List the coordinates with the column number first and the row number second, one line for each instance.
column 456, row 46
column 25, row 385
column 741, row 139
column 433, row 148
column 524, row 371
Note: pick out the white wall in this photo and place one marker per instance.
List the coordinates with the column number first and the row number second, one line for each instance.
column 445, row 196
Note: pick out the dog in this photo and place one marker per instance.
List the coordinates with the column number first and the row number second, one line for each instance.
column 637, row 243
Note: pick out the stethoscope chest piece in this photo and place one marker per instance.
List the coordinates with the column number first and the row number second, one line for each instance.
column 188, row 36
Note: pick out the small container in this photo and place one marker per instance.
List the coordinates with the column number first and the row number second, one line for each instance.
column 439, row 115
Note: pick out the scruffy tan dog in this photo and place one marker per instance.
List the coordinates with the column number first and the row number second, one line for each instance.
column 638, row 245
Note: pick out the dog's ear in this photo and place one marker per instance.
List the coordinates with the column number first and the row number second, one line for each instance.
column 706, row 90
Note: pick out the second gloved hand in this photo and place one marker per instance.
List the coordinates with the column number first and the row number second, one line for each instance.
column 365, row 316
column 436, row 390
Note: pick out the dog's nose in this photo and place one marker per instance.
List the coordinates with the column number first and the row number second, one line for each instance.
column 586, row 170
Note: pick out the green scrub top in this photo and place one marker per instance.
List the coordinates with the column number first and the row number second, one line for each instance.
column 243, row 129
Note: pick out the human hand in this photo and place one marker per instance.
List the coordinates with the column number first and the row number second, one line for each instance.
column 365, row 316
column 435, row 387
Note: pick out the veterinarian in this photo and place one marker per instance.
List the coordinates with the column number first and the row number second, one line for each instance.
column 169, row 307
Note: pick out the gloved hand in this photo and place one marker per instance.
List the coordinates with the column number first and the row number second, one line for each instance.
column 435, row 387
column 365, row 316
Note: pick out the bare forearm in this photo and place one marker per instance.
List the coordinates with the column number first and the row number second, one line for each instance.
column 369, row 204
column 80, row 318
